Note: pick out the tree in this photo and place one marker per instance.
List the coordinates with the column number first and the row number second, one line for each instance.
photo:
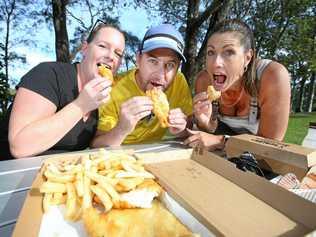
column 106, row 12
column 12, row 14
column 61, row 34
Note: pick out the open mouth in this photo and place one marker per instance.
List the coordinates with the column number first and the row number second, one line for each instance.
column 156, row 84
column 219, row 80
column 105, row 65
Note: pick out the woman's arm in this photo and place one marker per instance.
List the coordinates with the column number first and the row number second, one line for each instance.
column 35, row 127
column 274, row 100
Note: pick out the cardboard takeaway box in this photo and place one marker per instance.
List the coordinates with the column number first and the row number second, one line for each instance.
column 227, row 201
column 279, row 157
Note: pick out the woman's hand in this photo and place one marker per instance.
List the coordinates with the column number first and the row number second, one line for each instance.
column 94, row 93
column 209, row 141
column 202, row 108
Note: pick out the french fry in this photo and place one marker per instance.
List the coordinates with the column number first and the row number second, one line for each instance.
column 87, row 196
column 79, row 184
column 100, row 178
column 132, row 167
column 106, row 184
column 103, row 196
column 133, row 174
column 128, row 184
column 59, row 178
column 47, row 201
column 71, row 201
column 96, row 199
column 73, row 169
column 58, row 198
column 52, row 187
column 113, row 173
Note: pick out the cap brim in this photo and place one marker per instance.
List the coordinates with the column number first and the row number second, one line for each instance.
column 164, row 45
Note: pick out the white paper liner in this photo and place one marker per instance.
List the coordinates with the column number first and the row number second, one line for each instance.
column 308, row 194
column 54, row 225
column 184, row 216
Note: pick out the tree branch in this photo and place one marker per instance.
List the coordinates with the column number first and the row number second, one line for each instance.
column 206, row 14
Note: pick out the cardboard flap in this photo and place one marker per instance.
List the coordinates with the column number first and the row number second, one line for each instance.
column 26, row 224
column 291, row 154
column 285, row 201
column 222, row 198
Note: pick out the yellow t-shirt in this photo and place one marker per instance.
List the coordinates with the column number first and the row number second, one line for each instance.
column 178, row 94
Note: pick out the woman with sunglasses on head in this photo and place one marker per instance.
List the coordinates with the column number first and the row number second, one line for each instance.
column 55, row 107
column 255, row 93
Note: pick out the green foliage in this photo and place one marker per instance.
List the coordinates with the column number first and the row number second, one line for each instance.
column 298, row 126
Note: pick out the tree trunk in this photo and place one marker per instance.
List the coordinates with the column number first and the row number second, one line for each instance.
column 9, row 11
column 300, row 100
column 311, row 93
column 293, row 95
column 61, row 35
column 190, row 44
column 193, row 26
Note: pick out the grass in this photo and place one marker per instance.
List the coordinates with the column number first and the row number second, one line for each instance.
column 298, row 126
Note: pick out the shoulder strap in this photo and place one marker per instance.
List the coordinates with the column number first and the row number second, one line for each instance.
column 253, row 111
column 261, row 65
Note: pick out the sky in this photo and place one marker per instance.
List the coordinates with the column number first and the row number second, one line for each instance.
column 135, row 21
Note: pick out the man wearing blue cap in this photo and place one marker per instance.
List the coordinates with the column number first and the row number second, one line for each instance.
column 127, row 117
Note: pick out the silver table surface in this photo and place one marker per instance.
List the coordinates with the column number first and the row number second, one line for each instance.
column 16, row 177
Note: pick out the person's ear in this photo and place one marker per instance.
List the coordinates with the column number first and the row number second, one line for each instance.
column 138, row 57
column 84, row 48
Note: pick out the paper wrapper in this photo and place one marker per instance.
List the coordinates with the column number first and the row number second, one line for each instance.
column 308, row 194
column 53, row 223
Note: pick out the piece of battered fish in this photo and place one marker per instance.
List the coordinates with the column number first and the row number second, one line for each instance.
column 161, row 105
column 148, row 222
column 104, row 71
column 212, row 93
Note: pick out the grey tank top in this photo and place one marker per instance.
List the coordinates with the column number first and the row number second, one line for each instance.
column 250, row 123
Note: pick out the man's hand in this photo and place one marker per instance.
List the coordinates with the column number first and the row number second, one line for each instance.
column 177, row 121
column 132, row 111
column 202, row 108
column 94, row 93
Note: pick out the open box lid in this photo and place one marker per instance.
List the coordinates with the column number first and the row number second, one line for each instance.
column 230, row 202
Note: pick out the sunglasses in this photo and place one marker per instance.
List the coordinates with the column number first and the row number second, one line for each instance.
column 96, row 23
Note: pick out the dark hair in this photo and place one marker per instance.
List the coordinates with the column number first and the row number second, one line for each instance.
column 246, row 40
column 98, row 25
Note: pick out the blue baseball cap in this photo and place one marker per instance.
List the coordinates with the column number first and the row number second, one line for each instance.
column 163, row 36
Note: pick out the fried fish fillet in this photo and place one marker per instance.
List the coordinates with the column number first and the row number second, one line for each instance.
column 105, row 72
column 309, row 181
column 212, row 93
column 161, row 105
column 142, row 196
column 149, row 222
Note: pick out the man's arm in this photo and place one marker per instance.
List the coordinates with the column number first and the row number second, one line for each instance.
column 131, row 112
column 114, row 137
